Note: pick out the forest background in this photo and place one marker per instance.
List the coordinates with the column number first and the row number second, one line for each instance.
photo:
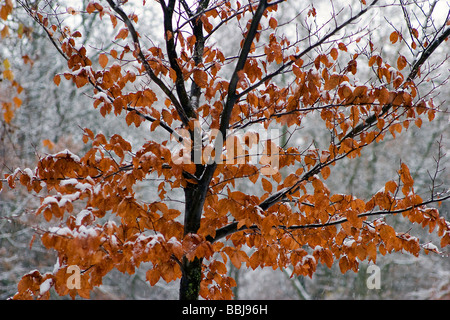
column 46, row 119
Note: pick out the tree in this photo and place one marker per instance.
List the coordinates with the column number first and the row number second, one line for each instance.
column 205, row 99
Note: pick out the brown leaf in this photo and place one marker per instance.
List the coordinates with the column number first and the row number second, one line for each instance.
column 201, row 78
column 273, row 23
column 123, row 34
column 57, row 79
column 334, row 53
column 394, row 37
column 103, row 60
column 401, row 62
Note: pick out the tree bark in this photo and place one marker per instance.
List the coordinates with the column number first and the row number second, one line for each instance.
column 191, row 279
column 195, row 195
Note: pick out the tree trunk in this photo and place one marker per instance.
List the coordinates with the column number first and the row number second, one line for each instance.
column 191, row 279
column 195, row 195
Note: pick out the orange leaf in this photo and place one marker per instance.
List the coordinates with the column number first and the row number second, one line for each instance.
column 201, row 78
column 267, row 186
column 57, row 79
column 334, row 53
column 49, row 144
column 17, row 101
column 154, row 125
column 326, row 172
column 390, row 186
column 273, row 23
column 5, row 32
column 342, row 47
column 8, row 74
column 418, row 122
column 431, row 114
column 394, row 37
column 167, row 116
column 343, row 264
column 123, row 33
column 333, row 82
column 372, row 60
column 401, row 62
column 153, row 276
column 103, row 60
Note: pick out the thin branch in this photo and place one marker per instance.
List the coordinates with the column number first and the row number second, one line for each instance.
column 181, row 112
column 232, row 96
column 33, row 14
column 187, row 111
column 232, row 227
column 412, row 75
column 307, row 50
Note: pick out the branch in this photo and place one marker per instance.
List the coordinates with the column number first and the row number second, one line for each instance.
column 301, row 54
column 184, row 118
column 232, row 96
column 33, row 14
column 161, row 123
column 412, row 75
column 197, row 30
column 232, row 227
column 186, row 111
column 427, row 53
column 141, row 58
column 370, row 120
column 146, row 117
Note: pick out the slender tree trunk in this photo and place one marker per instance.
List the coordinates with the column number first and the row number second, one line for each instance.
column 192, row 270
column 191, row 279
column 195, row 195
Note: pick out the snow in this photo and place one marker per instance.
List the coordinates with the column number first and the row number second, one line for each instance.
column 56, row 267
column 68, row 182
column 28, row 172
column 113, row 240
column 349, row 242
column 49, row 200
column 87, row 69
column 77, row 185
column 174, row 240
column 65, row 231
column 431, row 247
column 392, row 70
column 82, row 232
column 318, row 248
column 111, row 224
column 83, row 213
column 156, row 239
column 83, row 186
column 86, row 232
column 381, row 190
column 67, row 152
column 307, row 258
column 100, row 95
column 64, row 199
column 45, row 286
column 260, row 212
column 97, row 189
